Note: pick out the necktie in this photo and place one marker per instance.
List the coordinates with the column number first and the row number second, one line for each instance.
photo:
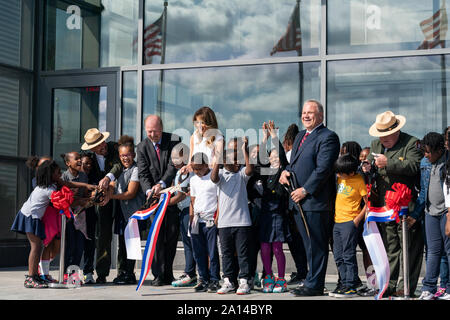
column 157, row 147
column 303, row 139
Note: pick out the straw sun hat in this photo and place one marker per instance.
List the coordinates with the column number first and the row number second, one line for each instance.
column 386, row 124
column 93, row 138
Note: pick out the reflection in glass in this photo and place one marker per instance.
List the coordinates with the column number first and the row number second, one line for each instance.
column 99, row 33
column 384, row 25
column 222, row 30
column 129, row 103
column 242, row 97
column 75, row 111
column 415, row 87
column 9, row 109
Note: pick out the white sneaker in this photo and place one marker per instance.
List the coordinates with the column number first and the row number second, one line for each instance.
column 426, row 295
column 445, row 296
column 243, row 287
column 89, row 278
column 227, row 287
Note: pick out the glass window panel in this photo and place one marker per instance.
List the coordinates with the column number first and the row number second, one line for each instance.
column 8, row 198
column 129, row 104
column 358, row 90
column 75, row 111
column 384, row 25
column 242, row 97
column 16, row 32
column 99, row 33
column 9, row 109
column 221, row 30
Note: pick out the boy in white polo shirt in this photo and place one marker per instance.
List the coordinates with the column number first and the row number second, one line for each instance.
column 203, row 231
column 234, row 221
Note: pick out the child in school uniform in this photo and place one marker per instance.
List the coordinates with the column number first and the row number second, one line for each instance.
column 75, row 228
column 203, row 229
column 128, row 191
column 349, row 219
column 29, row 219
column 182, row 200
column 233, row 221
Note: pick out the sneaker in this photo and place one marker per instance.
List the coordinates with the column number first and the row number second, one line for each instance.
column 184, row 281
column 444, row 296
column 201, row 286
column 280, row 285
column 295, row 279
column 256, row 281
column 366, row 292
column 439, row 292
column 35, row 282
column 89, row 278
column 48, row 278
column 243, row 287
column 336, row 290
column 213, row 286
column 426, row 295
column 227, row 287
column 345, row 293
column 268, row 283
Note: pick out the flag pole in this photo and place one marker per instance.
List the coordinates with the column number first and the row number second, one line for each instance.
column 163, row 60
column 444, row 79
column 300, row 67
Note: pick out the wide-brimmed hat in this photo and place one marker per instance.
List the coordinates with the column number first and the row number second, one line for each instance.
column 386, row 124
column 93, row 138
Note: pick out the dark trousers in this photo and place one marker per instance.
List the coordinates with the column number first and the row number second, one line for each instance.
column 391, row 234
column 205, row 246
column 437, row 245
column 316, row 247
column 297, row 248
column 104, row 231
column 89, row 244
column 189, row 267
column 166, row 245
column 235, row 240
column 74, row 245
column 125, row 265
column 345, row 236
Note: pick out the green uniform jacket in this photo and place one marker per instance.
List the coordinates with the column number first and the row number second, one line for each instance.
column 403, row 166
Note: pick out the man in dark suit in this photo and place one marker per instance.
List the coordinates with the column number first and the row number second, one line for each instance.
column 156, row 172
column 106, row 167
column 314, row 152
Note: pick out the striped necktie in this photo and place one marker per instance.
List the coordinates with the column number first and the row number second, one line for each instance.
column 157, row 147
column 303, row 139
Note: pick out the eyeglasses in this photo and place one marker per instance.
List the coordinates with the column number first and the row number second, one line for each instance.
column 128, row 155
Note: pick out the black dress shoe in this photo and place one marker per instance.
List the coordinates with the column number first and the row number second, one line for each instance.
column 125, row 278
column 100, row 280
column 158, row 282
column 306, row 292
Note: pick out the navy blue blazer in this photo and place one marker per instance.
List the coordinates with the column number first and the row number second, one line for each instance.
column 313, row 166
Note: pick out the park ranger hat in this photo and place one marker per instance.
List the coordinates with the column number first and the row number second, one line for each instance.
column 386, row 124
column 93, row 138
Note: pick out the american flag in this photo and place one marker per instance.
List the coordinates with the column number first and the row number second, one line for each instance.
column 292, row 39
column 435, row 29
column 153, row 40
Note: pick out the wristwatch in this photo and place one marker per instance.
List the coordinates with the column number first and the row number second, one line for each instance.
column 304, row 192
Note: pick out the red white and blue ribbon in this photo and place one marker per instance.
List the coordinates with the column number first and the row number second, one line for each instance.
column 132, row 237
column 396, row 202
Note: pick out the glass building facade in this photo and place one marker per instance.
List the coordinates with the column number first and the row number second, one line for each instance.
column 68, row 65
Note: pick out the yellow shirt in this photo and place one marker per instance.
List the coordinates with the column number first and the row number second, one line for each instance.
column 348, row 199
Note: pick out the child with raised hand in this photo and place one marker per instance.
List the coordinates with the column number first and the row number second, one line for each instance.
column 349, row 218
column 28, row 219
column 273, row 226
column 233, row 221
column 203, row 229
column 182, row 199
column 128, row 191
column 205, row 137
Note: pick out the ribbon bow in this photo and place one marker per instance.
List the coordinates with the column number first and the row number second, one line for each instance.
column 61, row 200
column 398, row 198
